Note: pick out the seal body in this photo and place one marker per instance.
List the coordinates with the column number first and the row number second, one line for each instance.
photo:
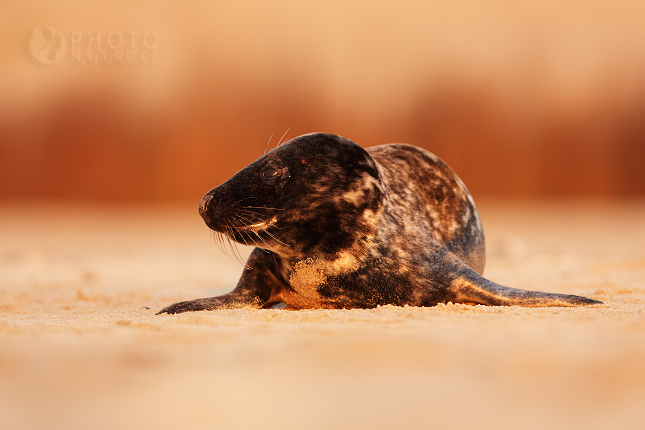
column 338, row 226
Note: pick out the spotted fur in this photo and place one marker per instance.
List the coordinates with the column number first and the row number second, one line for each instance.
column 338, row 226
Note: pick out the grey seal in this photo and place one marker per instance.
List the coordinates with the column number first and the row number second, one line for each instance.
column 338, row 226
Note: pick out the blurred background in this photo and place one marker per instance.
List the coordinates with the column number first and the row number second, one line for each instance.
column 143, row 101
column 105, row 104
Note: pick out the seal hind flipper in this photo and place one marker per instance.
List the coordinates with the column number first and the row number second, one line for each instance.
column 470, row 287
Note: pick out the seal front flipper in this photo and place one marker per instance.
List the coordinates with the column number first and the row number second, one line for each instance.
column 470, row 287
column 261, row 285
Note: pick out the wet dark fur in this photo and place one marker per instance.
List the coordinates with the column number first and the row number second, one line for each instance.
column 337, row 226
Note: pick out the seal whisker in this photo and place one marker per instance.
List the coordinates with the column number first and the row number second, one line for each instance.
column 222, row 244
column 246, row 219
column 259, row 222
column 263, row 241
column 275, row 238
column 235, row 252
column 234, row 204
column 242, row 230
column 285, row 133
column 261, row 207
column 217, row 237
column 242, row 236
column 249, row 221
column 232, row 230
column 225, row 246
column 250, row 214
column 252, row 219
column 268, row 143
column 246, row 233
column 222, row 238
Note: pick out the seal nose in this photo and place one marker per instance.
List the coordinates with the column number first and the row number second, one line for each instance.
column 203, row 205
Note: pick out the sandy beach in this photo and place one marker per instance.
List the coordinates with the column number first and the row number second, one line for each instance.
column 81, row 346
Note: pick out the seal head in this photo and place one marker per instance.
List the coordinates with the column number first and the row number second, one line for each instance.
column 299, row 199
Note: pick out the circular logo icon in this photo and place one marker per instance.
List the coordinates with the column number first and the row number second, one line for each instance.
column 47, row 45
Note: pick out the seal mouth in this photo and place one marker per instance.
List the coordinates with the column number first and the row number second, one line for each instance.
column 246, row 226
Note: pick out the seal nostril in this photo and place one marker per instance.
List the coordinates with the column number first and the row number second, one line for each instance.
column 203, row 205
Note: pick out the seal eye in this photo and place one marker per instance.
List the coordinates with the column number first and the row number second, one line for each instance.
column 269, row 173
